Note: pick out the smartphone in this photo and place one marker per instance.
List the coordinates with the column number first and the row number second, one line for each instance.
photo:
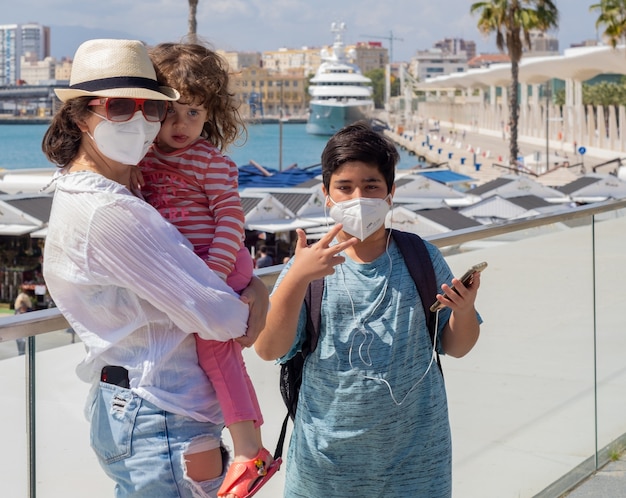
column 466, row 279
column 118, row 376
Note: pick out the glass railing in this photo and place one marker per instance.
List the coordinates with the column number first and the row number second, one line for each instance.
column 536, row 407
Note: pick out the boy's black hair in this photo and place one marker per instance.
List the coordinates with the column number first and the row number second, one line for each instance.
column 359, row 142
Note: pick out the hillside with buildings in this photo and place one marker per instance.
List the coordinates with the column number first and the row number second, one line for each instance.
column 267, row 82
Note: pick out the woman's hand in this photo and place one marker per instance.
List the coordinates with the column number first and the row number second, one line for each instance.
column 256, row 296
column 136, row 182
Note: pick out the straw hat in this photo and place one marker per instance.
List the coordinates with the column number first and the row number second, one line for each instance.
column 114, row 68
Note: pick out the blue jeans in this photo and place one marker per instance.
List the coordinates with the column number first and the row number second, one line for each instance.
column 142, row 447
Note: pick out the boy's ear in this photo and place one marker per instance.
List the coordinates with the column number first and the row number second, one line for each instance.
column 325, row 192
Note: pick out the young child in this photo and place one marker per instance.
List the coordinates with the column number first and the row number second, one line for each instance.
column 372, row 414
column 194, row 186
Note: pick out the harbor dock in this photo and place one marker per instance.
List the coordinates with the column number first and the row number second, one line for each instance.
column 484, row 155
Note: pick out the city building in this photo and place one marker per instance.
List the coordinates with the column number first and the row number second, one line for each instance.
column 456, row 46
column 240, row 60
column 63, row 70
column 264, row 92
column 541, row 44
column 485, row 60
column 37, row 72
column 447, row 56
column 17, row 40
column 284, row 59
column 369, row 56
column 426, row 64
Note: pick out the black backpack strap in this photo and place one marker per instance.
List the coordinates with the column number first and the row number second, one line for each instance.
column 417, row 259
column 278, row 452
column 313, row 304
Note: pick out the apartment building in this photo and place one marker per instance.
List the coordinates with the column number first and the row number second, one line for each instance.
column 285, row 59
column 427, row 64
column 457, row 46
column 18, row 40
column 37, row 72
column 542, row 44
column 369, row 55
column 240, row 60
column 264, row 92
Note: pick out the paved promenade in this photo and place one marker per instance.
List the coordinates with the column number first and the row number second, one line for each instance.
column 484, row 156
column 519, row 403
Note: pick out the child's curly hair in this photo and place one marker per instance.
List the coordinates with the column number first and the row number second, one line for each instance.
column 202, row 77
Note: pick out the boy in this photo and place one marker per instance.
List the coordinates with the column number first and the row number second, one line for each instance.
column 372, row 412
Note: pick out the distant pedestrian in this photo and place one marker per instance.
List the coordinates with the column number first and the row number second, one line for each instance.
column 23, row 304
column 265, row 259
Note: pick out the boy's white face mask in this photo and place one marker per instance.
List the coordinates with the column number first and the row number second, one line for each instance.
column 361, row 216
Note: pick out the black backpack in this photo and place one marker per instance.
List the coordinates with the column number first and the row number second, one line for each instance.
column 420, row 267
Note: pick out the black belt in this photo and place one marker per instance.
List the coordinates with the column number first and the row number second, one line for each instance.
column 118, row 376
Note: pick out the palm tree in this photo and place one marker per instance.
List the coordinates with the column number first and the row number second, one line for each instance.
column 613, row 18
column 512, row 21
column 192, row 35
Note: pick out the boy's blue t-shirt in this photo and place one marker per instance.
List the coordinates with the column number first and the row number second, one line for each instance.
column 372, row 413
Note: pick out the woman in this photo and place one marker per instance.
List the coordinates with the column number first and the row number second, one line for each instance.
column 131, row 287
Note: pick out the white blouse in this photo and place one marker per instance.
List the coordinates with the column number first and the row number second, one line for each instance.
column 131, row 287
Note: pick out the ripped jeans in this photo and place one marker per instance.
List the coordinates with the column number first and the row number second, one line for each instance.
column 142, row 447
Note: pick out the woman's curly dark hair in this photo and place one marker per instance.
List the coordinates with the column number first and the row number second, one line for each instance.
column 202, row 77
column 62, row 139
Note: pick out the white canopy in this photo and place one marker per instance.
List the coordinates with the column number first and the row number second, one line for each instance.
column 580, row 63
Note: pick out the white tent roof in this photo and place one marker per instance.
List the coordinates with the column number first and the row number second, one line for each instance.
column 274, row 226
column 581, row 64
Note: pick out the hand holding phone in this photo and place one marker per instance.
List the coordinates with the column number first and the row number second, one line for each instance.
column 466, row 279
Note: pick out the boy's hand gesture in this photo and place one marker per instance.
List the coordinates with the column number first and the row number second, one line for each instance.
column 319, row 259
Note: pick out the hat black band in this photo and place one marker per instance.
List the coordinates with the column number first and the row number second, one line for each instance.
column 117, row 82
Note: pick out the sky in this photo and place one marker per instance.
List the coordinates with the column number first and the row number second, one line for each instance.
column 403, row 26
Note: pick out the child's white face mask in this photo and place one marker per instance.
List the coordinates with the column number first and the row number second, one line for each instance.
column 361, row 216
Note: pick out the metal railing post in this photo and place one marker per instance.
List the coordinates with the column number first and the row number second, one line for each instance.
column 30, row 418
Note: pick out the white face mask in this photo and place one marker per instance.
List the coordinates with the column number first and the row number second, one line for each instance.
column 360, row 217
column 125, row 142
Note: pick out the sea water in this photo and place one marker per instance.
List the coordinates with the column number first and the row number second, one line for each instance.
column 270, row 145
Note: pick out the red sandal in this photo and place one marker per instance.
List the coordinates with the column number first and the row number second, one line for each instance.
column 244, row 479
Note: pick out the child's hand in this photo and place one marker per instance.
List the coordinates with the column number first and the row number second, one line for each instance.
column 136, row 179
column 319, row 259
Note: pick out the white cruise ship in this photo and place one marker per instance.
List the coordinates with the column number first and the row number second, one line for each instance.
column 340, row 94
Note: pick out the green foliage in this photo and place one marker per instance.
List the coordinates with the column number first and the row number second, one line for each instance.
column 611, row 17
column 601, row 93
column 604, row 93
column 378, row 85
column 512, row 21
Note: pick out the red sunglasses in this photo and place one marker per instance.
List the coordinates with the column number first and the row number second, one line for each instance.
column 121, row 109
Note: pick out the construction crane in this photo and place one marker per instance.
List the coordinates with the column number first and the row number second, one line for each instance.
column 390, row 39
